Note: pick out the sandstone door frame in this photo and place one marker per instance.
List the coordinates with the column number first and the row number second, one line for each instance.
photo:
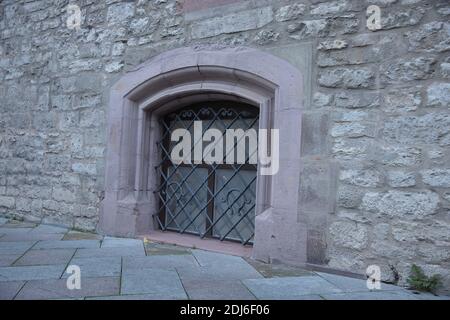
column 188, row 75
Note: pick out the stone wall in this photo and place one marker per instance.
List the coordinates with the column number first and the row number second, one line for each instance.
column 378, row 122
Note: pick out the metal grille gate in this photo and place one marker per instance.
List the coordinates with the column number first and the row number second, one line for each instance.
column 210, row 200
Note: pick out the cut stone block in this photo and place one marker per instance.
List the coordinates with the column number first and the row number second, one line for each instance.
column 75, row 244
column 9, row 289
column 237, row 271
column 4, row 230
column 7, row 260
column 97, row 267
column 57, row 289
column 153, row 281
column 165, row 249
column 19, row 224
column 17, row 247
column 217, row 290
column 289, row 288
column 31, row 236
column 350, row 284
column 159, row 262
column 208, row 258
column 31, row 273
column 110, row 252
column 109, row 242
column 45, row 257
column 44, row 228
column 76, row 235
column 270, row 270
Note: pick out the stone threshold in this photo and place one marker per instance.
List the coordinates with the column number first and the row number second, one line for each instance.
column 195, row 242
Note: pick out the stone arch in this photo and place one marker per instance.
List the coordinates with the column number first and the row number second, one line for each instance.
column 183, row 76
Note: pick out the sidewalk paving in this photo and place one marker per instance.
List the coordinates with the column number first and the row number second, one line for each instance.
column 33, row 260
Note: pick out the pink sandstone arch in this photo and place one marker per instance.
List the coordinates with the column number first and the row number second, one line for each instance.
column 182, row 76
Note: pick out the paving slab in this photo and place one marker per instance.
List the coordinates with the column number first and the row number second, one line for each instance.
column 208, row 258
column 97, row 267
column 109, row 242
column 9, row 289
column 76, row 235
column 30, row 236
column 428, row 296
column 45, row 228
column 19, row 224
column 348, row 284
column 110, row 252
column 289, row 288
column 153, row 248
column 5, row 231
column 31, row 272
column 269, row 270
column 174, row 296
column 45, row 257
column 160, row 262
column 222, row 268
column 153, row 281
column 75, row 244
column 57, row 289
column 7, row 260
column 15, row 247
column 217, row 290
column 374, row 295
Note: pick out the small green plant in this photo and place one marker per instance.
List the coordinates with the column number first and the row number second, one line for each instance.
column 418, row 280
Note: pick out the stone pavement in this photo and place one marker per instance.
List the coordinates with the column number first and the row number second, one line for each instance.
column 33, row 260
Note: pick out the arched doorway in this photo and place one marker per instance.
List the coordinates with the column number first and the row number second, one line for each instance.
column 187, row 76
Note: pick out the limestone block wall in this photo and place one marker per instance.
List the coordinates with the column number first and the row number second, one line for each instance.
column 376, row 124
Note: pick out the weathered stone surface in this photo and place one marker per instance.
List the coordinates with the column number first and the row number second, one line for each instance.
column 399, row 156
column 407, row 69
column 330, row 7
column 438, row 95
column 308, row 29
column 352, row 129
column 289, row 288
column 242, row 21
column 120, row 12
column 402, row 100
column 57, row 289
column 266, row 36
column 431, row 37
column 401, row 179
column 349, row 197
column 402, row 204
column 321, row 99
column 429, row 129
column 7, row 202
column 401, row 18
column 362, row 177
column 357, row 100
column 349, row 235
column 290, row 12
column 351, row 149
column 356, row 56
column 332, row 45
column 410, row 231
column 347, row 78
column 436, row 177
